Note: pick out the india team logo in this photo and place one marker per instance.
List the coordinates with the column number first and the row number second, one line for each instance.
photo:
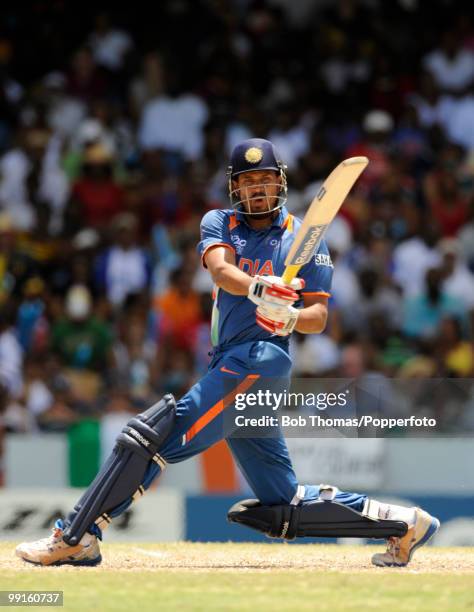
column 253, row 155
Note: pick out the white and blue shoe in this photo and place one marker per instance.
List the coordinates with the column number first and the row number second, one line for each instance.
column 400, row 550
column 55, row 551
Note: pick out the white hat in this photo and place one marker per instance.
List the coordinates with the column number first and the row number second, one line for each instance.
column 378, row 121
column 78, row 302
column 90, row 130
column 86, row 238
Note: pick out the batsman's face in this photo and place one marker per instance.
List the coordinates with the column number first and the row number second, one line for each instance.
column 258, row 190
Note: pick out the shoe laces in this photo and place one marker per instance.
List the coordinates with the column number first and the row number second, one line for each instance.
column 57, row 532
column 393, row 546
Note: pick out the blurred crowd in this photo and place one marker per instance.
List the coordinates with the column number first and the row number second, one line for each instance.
column 115, row 133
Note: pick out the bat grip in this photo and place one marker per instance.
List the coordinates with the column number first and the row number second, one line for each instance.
column 290, row 273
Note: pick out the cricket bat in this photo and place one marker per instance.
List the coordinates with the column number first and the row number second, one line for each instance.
column 321, row 212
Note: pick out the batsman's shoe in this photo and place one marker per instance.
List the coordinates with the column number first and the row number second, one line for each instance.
column 400, row 550
column 55, row 551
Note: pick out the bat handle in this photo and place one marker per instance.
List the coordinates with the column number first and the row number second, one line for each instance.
column 290, row 273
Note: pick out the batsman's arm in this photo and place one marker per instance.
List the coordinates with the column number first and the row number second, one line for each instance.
column 313, row 317
column 220, row 262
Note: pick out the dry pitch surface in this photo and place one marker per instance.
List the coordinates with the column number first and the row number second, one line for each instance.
column 251, row 577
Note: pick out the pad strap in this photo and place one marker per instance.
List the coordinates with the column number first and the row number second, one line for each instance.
column 317, row 519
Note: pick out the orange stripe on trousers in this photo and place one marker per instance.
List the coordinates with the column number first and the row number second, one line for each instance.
column 219, row 406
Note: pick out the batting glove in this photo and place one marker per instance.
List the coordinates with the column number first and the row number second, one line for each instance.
column 271, row 290
column 277, row 320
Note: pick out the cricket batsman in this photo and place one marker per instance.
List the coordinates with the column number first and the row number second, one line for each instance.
column 244, row 248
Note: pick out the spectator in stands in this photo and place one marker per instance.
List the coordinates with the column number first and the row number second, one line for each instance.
column 80, row 339
column 289, row 135
column 431, row 107
column 451, row 65
column 135, row 359
column 378, row 126
column 84, row 80
column 96, row 197
column 38, row 244
column 11, row 94
column 375, row 299
column 112, row 129
column 149, row 84
column 110, row 46
column 32, row 324
column 15, row 267
column 125, row 267
column 466, row 238
column 176, row 369
column 37, row 391
column 11, row 353
column 174, row 121
column 416, row 254
column 64, row 111
column 345, row 289
column 391, row 197
column 61, row 413
column 179, row 309
column 456, row 350
column 460, row 121
column 85, row 247
column 167, row 199
column 387, row 84
column 15, row 168
column 458, row 281
column 409, row 139
column 314, row 355
column 447, row 204
column 423, row 313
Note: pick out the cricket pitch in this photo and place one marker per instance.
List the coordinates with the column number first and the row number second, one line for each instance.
column 228, row 576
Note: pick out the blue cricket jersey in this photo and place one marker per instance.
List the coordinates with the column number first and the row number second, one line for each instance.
column 260, row 251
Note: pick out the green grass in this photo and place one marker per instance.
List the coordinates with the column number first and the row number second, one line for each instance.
column 223, row 577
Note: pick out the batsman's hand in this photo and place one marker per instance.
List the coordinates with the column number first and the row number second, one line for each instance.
column 279, row 320
column 272, row 291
